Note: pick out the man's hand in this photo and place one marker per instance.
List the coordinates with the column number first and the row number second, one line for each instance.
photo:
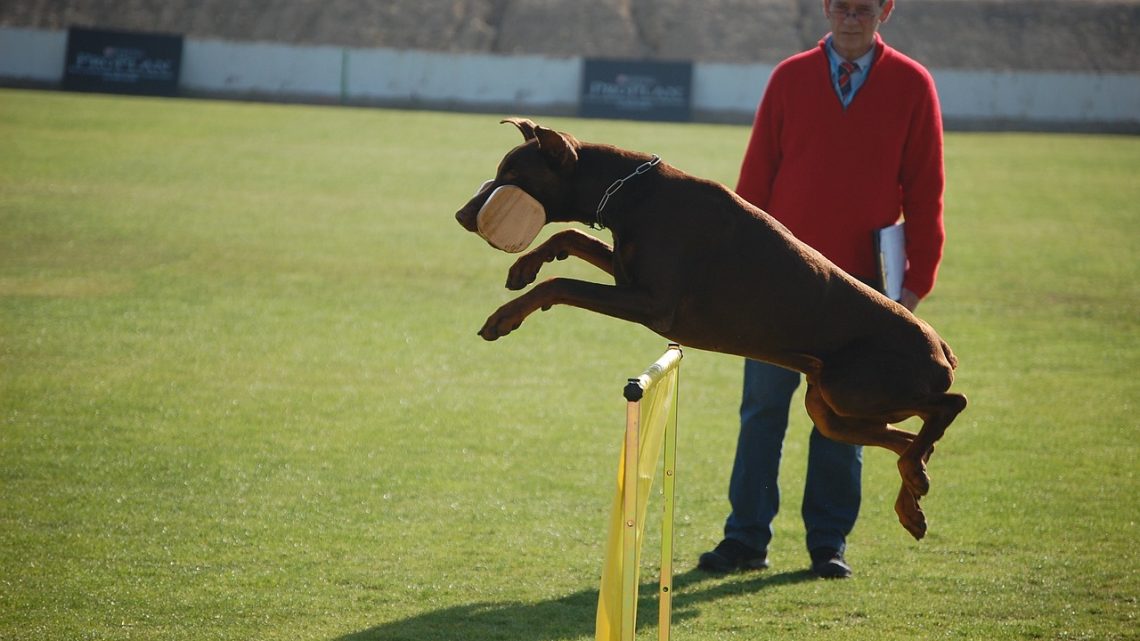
column 909, row 300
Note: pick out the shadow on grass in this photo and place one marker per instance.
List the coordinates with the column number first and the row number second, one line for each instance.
column 568, row 617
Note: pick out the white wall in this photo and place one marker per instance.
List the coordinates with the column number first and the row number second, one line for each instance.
column 729, row 89
column 217, row 66
column 539, row 84
column 32, row 55
column 1039, row 96
column 473, row 79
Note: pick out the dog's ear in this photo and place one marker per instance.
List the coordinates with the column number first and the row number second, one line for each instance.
column 560, row 150
column 525, row 126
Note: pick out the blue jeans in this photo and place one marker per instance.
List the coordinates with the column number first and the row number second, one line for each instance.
column 832, row 490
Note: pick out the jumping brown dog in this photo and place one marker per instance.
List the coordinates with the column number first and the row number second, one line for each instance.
column 700, row 266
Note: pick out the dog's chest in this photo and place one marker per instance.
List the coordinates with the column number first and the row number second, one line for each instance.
column 624, row 253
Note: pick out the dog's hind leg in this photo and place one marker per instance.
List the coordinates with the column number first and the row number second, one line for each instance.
column 936, row 415
column 869, row 431
column 560, row 246
column 851, row 429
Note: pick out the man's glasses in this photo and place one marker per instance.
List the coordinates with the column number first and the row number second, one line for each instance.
column 862, row 13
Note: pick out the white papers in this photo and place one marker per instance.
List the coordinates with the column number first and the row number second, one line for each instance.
column 890, row 246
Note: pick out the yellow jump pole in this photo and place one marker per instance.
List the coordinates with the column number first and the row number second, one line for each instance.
column 665, row 604
column 634, row 391
column 629, row 522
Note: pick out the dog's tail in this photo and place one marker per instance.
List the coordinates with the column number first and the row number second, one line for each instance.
column 949, row 354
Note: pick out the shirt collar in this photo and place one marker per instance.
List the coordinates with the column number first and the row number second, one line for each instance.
column 864, row 61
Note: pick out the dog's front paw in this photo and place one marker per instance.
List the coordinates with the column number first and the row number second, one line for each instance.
column 526, row 268
column 499, row 325
column 524, row 271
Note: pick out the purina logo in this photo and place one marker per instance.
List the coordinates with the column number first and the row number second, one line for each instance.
column 646, row 89
column 638, row 90
column 122, row 62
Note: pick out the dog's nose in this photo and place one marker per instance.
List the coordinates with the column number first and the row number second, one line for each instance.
column 465, row 219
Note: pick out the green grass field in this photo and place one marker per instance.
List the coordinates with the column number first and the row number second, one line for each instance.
column 241, row 395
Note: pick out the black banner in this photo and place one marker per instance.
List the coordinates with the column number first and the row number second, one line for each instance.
column 637, row 90
column 122, row 62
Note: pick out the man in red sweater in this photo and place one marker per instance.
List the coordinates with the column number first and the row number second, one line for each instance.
column 847, row 139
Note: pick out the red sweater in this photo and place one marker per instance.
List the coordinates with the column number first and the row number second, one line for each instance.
column 833, row 176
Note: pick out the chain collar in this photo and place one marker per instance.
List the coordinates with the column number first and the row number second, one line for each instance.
column 599, row 222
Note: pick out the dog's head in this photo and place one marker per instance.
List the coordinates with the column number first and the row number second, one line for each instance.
column 531, row 188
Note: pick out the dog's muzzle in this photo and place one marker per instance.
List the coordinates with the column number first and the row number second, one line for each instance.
column 510, row 219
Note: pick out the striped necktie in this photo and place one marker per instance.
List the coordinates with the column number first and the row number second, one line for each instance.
column 845, row 71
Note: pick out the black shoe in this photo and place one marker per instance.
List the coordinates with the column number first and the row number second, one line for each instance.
column 731, row 555
column 828, row 563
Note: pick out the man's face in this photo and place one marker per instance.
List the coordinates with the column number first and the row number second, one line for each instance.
column 854, row 23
